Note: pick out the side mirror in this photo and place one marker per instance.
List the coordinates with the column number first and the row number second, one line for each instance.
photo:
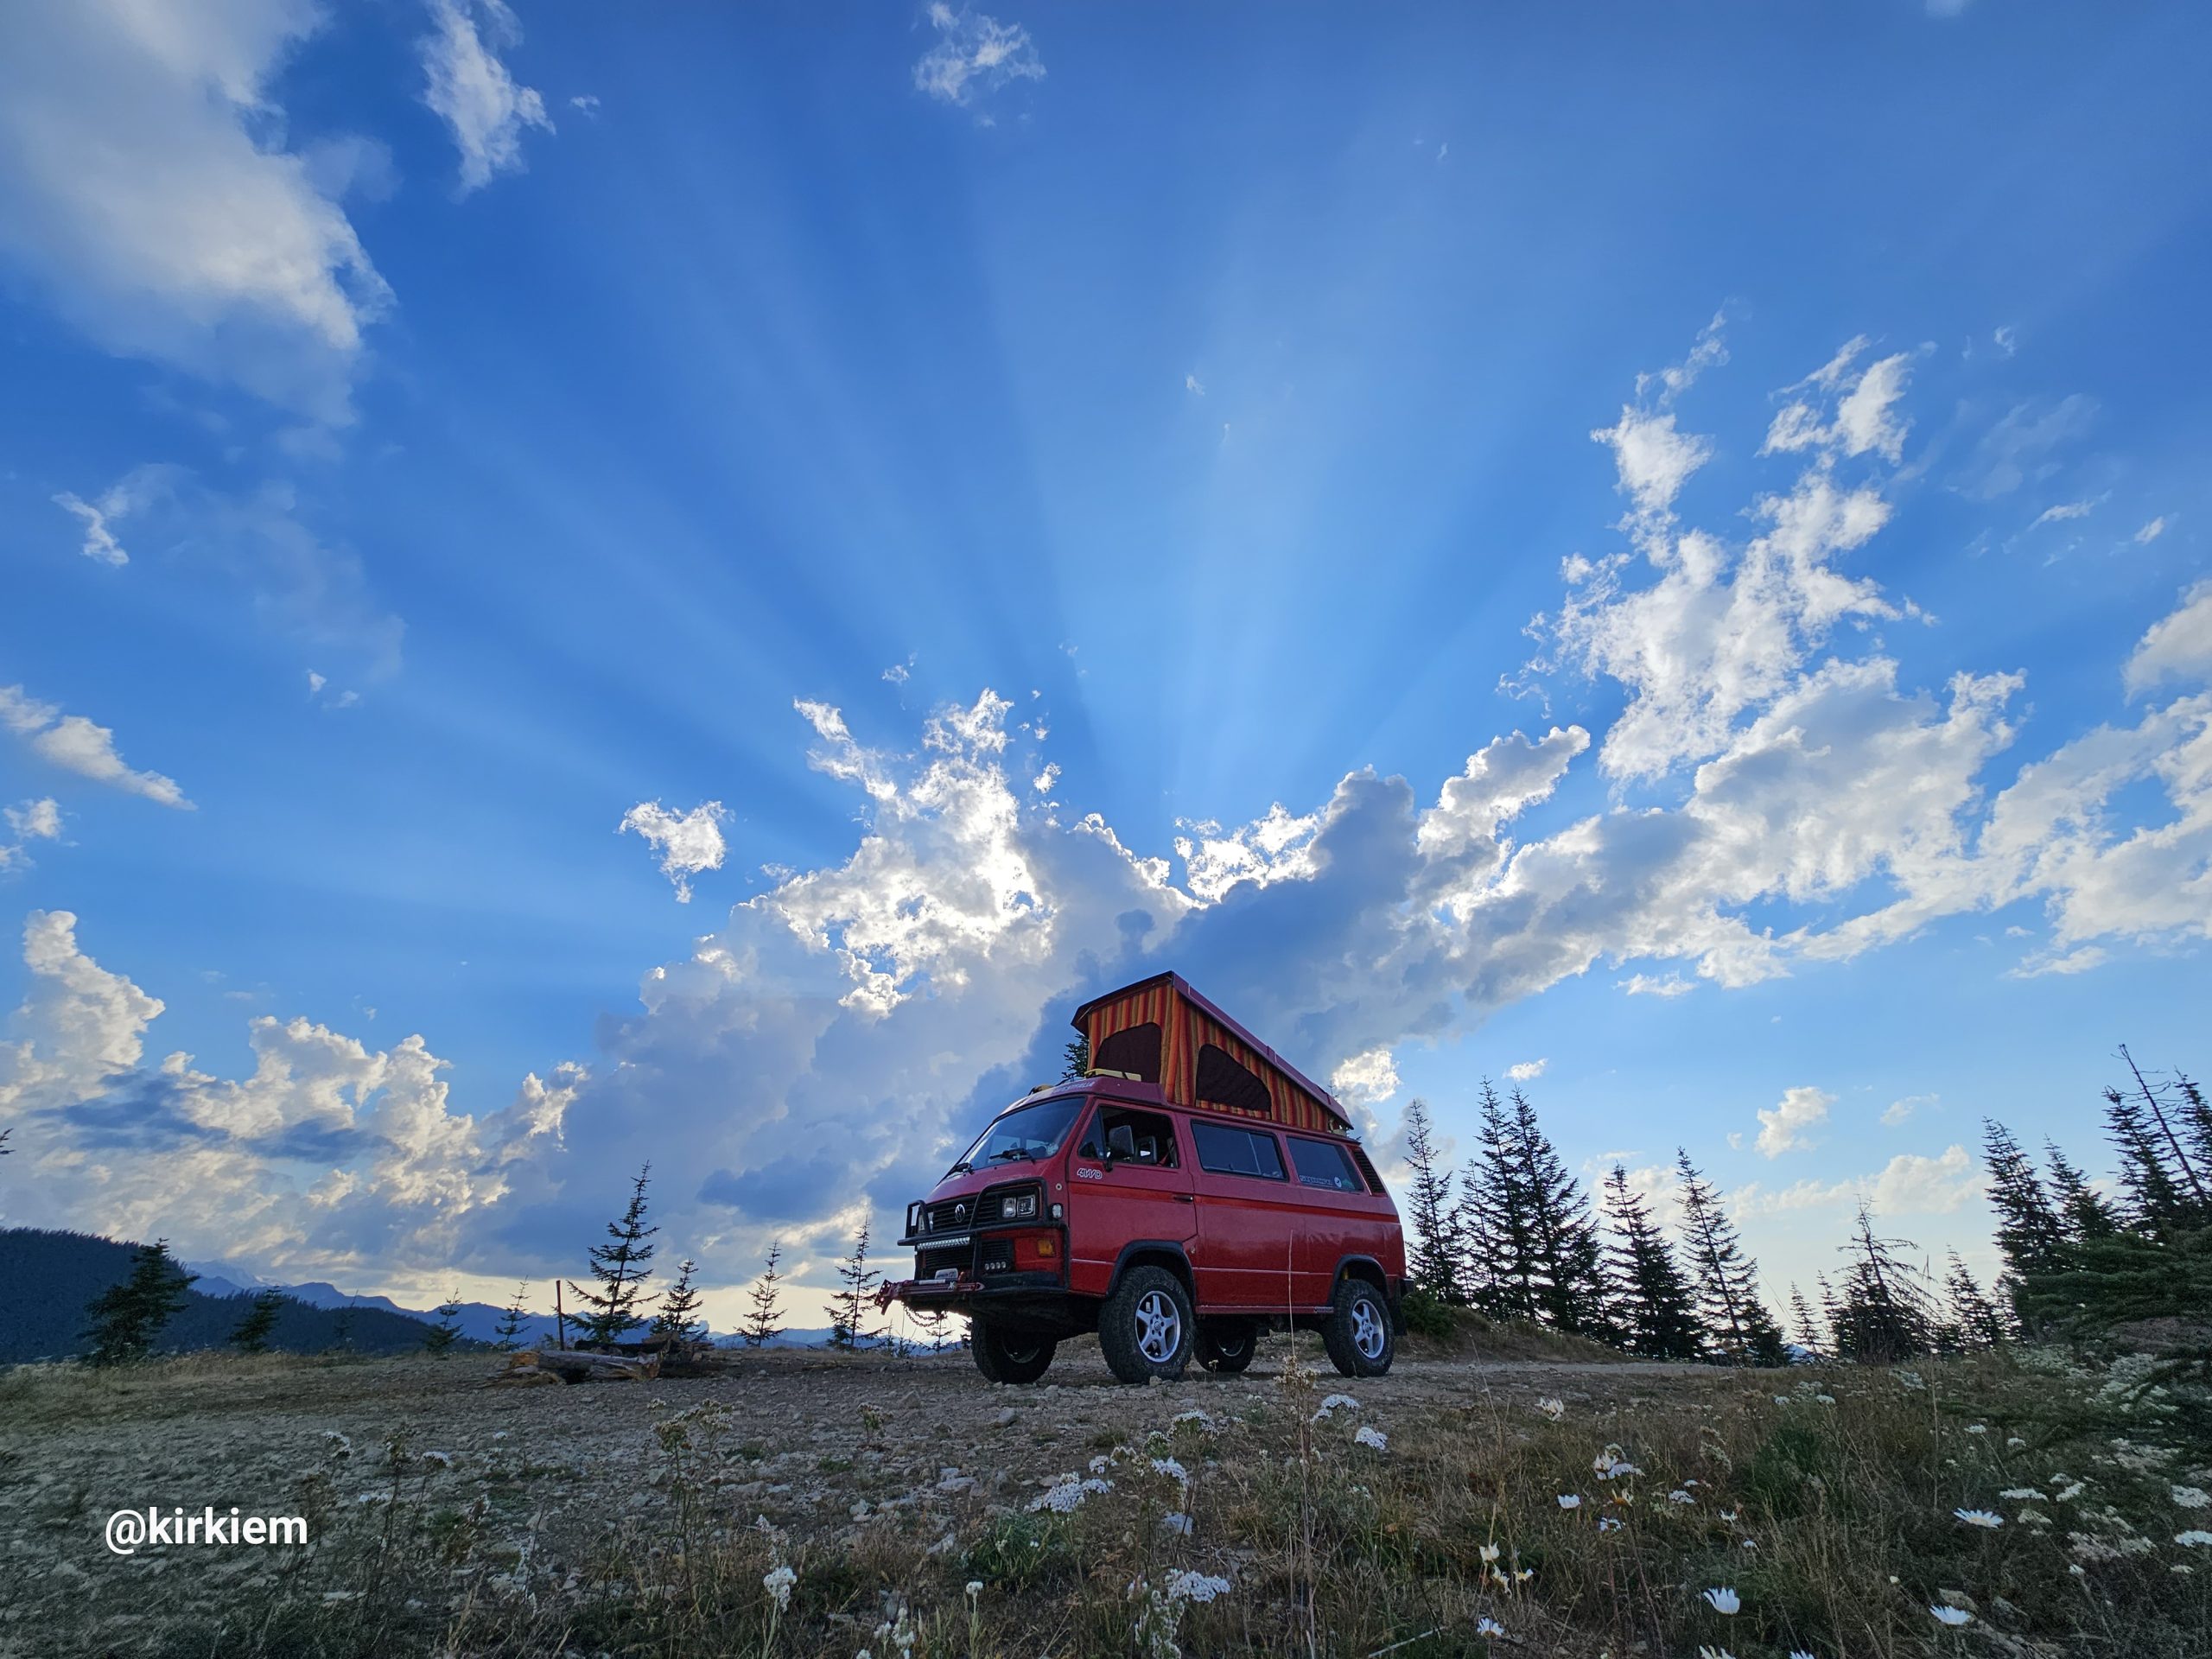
column 1121, row 1142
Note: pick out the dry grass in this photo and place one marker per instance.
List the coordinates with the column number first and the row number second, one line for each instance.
column 1823, row 1499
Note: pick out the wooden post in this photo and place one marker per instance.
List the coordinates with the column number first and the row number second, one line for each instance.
column 559, row 1319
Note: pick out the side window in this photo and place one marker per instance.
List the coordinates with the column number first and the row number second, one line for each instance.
column 1225, row 1082
column 1151, row 1137
column 1324, row 1163
column 1227, row 1151
column 1134, row 1053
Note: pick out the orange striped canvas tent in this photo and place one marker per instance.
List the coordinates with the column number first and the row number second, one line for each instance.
column 1161, row 1031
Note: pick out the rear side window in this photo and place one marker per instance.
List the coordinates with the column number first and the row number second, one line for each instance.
column 1323, row 1163
column 1227, row 1151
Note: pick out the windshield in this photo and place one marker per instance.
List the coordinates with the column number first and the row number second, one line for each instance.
column 1027, row 1134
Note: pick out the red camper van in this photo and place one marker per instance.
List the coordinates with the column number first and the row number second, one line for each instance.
column 1188, row 1191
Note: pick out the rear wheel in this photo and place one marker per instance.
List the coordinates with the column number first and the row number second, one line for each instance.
column 1004, row 1357
column 1146, row 1328
column 1227, row 1346
column 1358, row 1335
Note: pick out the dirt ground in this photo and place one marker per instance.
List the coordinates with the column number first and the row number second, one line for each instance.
column 818, row 1444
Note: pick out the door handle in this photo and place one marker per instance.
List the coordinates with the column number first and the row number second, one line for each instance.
column 1186, row 1198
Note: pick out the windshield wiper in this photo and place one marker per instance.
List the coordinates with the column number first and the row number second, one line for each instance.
column 1013, row 1151
column 961, row 1168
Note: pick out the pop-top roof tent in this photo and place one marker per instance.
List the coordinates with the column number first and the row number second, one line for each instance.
column 1160, row 1031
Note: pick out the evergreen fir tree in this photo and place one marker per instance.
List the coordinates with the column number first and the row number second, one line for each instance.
column 251, row 1336
column 510, row 1322
column 2161, row 1112
column 1810, row 1335
column 2082, row 1211
column 126, row 1318
column 1434, row 1264
column 2155, row 1201
column 1741, row 1330
column 2028, row 1229
column 849, row 1311
column 1496, row 1230
column 1974, row 1317
column 677, row 1320
column 764, row 1323
column 1077, row 1060
column 2195, row 1116
column 1886, row 1316
column 1574, row 1296
column 1656, row 1315
column 447, row 1331
column 622, row 1267
column 341, row 1327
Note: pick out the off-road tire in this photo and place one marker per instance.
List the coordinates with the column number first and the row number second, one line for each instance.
column 1004, row 1357
column 1358, row 1335
column 1139, row 1312
column 1227, row 1347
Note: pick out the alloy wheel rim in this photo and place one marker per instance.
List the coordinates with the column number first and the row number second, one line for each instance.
column 1159, row 1326
column 1366, row 1329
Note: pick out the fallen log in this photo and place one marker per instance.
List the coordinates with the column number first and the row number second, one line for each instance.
column 574, row 1365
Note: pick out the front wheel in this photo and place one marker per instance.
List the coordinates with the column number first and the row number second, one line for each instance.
column 1358, row 1335
column 1146, row 1327
column 1227, row 1346
column 1005, row 1358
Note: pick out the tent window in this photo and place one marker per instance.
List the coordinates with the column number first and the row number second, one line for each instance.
column 1223, row 1082
column 1134, row 1050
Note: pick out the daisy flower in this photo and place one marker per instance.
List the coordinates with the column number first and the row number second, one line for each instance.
column 1723, row 1601
column 1980, row 1518
column 1954, row 1617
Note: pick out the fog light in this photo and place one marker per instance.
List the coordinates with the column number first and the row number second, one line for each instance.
column 1059, row 1211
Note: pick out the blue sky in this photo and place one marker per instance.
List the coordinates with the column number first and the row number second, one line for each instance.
column 442, row 434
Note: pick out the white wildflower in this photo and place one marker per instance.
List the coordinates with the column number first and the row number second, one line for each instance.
column 2014, row 1443
column 1954, row 1617
column 1553, row 1409
column 1489, row 1553
column 1612, row 1465
column 1703, row 1652
column 1174, row 1471
column 1100, row 1464
column 778, row 1582
column 1824, row 1399
column 1185, row 1585
column 2191, row 1497
column 1329, row 1406
column 974, row 1588
column 2195, row 1538
column 2018, row 1492
column 1194, row 1415
column 2067, row 1494
column 1909, row 1379
column 1177, row 1523
column 1609, row 1523
column 1980, row 1518
column 1570, row 1501
column 1488, row 1626
column 1723, row 1601
column 1977, row 1428
column 1678, row 1495
column 1373, row 1437
column 443, row 1460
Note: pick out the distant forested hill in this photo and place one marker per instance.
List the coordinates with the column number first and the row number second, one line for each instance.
column 50, row 1276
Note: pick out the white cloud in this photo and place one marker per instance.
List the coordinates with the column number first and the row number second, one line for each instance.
column 2006, row 340
column 1527, row 1071
column 1667, row 985
column 74, row 743
column 117, row 1147
column 585, row 104
column 1276, row 847
column 2150, row 532
column 2020, row 447
column 1899, row 1112
column 1865, row 419
column 1788, row 1126
column 469, row 88
column 38, row 820
column 899, row 673
column 2063, row 512
column 127, row 495
column 975, row 56
column 1367, row 1079
column 1191, row 385
column 1908, row 1184
column 2179, row 645
column 688, row 842
column 145, row 185
column 1044, row 780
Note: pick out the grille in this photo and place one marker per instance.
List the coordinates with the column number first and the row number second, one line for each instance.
column 929, row 1263
column 957, row 1215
